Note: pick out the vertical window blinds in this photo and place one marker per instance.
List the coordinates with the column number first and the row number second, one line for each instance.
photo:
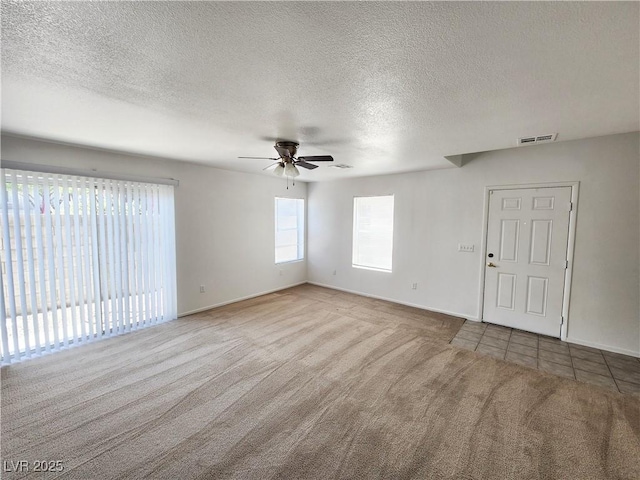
column 82, row 258
column 373, row 232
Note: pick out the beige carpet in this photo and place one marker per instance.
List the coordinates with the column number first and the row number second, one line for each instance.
column 309, row 383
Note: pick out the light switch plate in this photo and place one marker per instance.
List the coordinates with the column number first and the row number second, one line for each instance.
column 465, row 248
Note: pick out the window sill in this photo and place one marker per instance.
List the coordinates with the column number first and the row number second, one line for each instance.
column 362, row 267
column 290, row 261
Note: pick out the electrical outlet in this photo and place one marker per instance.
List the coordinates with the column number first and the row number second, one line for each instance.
column 465, row 248
column 201, row 288
column 414, row 286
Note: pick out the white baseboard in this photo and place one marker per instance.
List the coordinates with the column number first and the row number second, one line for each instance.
column 408, row 304
column 601, row 346
column 247, row 297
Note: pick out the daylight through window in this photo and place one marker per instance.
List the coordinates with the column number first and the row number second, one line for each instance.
column 82, row 258
column 289, row 218
column 373, row 232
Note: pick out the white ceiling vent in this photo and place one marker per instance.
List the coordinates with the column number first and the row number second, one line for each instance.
column 549, row 137
column 341, row 165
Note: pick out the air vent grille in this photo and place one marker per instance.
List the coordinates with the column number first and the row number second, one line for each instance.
column 544, row 138
column 549, row 137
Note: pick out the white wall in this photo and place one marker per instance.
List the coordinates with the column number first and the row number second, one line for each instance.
column 225, row 240
column 224, row 220
column 436, row 210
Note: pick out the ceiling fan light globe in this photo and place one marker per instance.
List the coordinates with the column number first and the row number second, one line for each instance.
column 279, row 170
column 290, row 170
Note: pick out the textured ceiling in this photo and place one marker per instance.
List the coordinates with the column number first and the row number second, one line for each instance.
column 385, row 87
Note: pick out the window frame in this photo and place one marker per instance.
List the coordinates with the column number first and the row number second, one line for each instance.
column 300, row 228
column 354, row 246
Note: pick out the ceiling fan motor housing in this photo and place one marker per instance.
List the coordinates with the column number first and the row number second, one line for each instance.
column 292, row 147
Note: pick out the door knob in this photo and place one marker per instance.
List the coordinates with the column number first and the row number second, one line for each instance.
column 491, row 264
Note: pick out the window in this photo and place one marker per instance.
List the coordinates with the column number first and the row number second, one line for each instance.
column 82, row 258
column 373, row 232
column 289, row 229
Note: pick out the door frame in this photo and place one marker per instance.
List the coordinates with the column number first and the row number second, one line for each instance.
column 573, row 214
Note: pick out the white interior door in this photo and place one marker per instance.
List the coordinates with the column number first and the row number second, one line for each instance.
column 526, row 258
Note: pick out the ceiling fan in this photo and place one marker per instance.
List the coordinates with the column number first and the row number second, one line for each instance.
column 287, row 162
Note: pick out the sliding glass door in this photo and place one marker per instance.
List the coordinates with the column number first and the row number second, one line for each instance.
column 82, row 258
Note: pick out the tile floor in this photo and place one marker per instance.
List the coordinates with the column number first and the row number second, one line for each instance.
column 617, row 372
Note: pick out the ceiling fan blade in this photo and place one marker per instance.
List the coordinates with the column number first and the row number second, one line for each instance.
column 282, row 151
column 271, row 164
column 317, row 158
column 303, row 164
column 261, row 158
